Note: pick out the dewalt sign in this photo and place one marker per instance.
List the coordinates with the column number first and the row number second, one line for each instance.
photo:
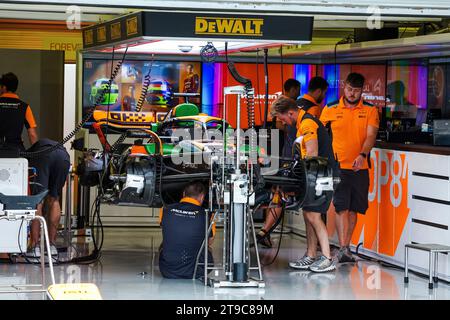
column 229, row 26
column 169, row 25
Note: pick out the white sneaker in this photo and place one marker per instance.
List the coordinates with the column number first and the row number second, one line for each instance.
column 53, row 250
column 34, row 252
column 323, row 264
column 303, row 263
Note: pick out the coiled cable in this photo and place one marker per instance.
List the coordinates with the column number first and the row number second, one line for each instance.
column 119, row 141
column 249, row 96
column 250, row 102
column 146, row 84
column 39, row 153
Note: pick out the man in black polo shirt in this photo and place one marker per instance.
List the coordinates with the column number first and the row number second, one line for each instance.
column 52, row 168
column 291, row 90
column 183, row 230
column 14, row 115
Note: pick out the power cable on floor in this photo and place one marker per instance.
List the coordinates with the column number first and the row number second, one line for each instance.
column 281, row 236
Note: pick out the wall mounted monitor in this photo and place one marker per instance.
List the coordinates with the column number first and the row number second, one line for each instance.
column 166, row 79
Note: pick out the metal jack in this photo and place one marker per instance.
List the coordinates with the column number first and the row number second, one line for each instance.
column 235, row 192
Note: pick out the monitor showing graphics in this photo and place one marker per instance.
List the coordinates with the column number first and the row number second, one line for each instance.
column 163, row 79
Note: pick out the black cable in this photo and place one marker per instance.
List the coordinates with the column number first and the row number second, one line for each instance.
column 257, row 86
column 95, row 215
column 96, row 225
column 250, row 102
column 100, row 223
column 403, row 32
column 281, row 237
column 85, row 119
column 336, row 81
column 282, row 80
column 24, row 255
column 147, row 80
column 96, row 254
column 91, row 211
column 249, row 97
column 20, row 246
column 93, row 257
column 266, row 81
column 345, row 40
column 282, row 68
column 226, row 52
column 109, row 96
column 273, row 227
column 160, row 180
column 175, row 170
column 116, row 144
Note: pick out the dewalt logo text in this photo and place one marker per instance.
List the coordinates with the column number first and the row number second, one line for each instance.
column 229, row 26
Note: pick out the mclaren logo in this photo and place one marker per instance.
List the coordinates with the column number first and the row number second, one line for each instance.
column 229, row 26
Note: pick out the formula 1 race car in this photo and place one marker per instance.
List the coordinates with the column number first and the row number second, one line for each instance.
column 163, row 158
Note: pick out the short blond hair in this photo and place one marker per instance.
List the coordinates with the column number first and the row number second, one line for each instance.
column 282, row 105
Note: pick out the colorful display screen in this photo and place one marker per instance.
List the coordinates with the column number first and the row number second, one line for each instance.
column 374, row 87
column 166, row 79
column 406, row 90
column 216, row 76
column 399, row 86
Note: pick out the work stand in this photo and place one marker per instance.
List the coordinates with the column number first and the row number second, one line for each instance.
column 233, row 189
column 221, row 268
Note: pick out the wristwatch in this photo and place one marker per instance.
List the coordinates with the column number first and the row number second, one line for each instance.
column 363, row 154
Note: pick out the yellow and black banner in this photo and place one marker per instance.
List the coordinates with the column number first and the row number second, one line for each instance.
column 228, row 27
column 40, row 36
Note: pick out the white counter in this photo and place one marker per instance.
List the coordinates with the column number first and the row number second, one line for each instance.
column 409, row 202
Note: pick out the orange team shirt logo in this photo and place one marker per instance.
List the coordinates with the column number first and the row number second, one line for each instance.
column 349, row 129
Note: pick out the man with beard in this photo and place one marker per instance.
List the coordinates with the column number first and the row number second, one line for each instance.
column 354, row 126
column 309, row 103
column 314, row 141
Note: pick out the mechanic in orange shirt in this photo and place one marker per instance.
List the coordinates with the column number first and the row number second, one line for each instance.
column 314, row 141
column 310, row 102
column 354, row 126
column 14, row 115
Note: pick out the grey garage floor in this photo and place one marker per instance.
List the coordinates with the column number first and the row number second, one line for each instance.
column 128, row 269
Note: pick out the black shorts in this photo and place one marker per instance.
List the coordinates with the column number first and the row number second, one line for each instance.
column 52, row 171
column 352, row 193
column 323, row 208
